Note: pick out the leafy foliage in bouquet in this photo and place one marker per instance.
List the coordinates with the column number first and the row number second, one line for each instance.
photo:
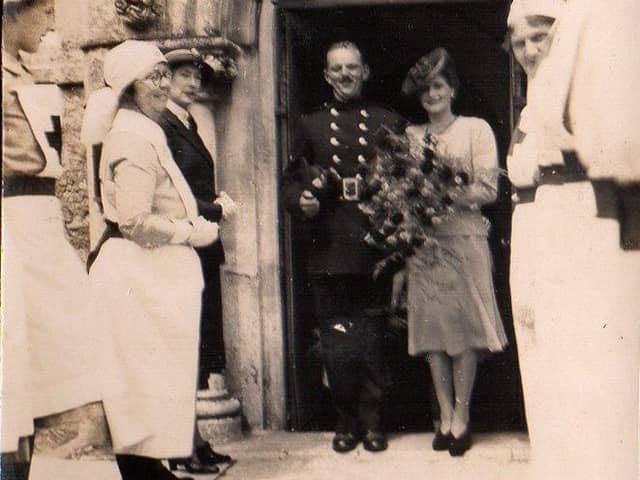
column 408, row 192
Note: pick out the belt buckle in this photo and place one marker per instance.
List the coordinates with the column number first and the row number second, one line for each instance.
column 350, row 189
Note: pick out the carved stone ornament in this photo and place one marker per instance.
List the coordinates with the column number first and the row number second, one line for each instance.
column 138, row 14
column 224, row 66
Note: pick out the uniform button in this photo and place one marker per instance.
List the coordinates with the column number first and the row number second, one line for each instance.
column 363, row 127
column 363, row 141
column 334, row 126
column 336, row 159
column 334, row 112
column 361, row 159
column 334, row 141
column 364, row 113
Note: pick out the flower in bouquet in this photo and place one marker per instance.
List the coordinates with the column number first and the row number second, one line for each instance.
column 409, row 190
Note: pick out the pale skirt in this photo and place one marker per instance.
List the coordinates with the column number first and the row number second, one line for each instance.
column 150, row 301
column 576, row 306
column 50, row 343
column 450, row 298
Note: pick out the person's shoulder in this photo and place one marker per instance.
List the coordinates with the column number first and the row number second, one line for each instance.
column 416, row 130
column 135, row 148
column 474, row 122
column 476, row 125
column 380, row 109
column 319, row 111
column 12, row 80
column 387, row 115
column 376, row 106
column 310, row 120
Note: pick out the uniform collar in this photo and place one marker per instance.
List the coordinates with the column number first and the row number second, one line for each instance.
column 181, row 113
column 12, row 64
column 348, row 105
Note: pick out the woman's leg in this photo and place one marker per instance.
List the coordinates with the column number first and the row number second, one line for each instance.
column 464, row 375
column 441, row 373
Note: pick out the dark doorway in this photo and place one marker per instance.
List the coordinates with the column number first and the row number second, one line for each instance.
column 392, row 39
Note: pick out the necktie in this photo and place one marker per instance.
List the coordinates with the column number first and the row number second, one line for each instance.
column 191, row 124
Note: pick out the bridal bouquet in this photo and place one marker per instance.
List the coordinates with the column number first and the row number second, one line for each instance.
column 408, row 192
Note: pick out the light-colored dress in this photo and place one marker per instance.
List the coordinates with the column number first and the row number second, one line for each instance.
column 49, row 340
column 451, row 300
column 148, row 291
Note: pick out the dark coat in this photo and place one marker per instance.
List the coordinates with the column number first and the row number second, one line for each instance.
column 335, row 136
column 196, row 164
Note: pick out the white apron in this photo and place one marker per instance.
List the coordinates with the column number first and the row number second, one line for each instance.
column 576, row 315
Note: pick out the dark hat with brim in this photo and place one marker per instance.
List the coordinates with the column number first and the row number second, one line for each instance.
column 182, row 56
column 426, row 69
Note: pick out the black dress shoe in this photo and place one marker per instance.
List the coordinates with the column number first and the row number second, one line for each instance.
column 344, row 442
column 133, row 467
column 192, row 465
column 375, row 441
column 442, row 441
column 208, row 456
column 162, row 473
column 461, row 444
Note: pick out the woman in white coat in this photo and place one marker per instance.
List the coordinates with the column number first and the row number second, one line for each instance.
column 574, row 290
column 145, row 272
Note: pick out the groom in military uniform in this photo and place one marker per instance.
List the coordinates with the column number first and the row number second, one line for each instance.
column 322, row 189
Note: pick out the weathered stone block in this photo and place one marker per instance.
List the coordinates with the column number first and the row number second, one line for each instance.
column 219, row 431
column 105, row 26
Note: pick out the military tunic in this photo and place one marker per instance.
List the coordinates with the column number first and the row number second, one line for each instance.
column 338, row 138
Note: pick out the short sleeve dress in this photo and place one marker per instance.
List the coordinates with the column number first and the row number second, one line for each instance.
column 451, row 299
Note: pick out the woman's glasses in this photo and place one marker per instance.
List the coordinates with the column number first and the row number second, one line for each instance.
column 156, row 76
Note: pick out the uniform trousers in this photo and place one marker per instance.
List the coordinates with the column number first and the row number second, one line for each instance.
column 212, row 355
column 349, row 309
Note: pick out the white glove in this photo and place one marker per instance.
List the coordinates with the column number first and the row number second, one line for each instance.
column 204, row 233
column 229, row 207
column 309, row 204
